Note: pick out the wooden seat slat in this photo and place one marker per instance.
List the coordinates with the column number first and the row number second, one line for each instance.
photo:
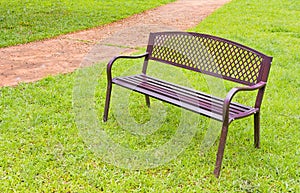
column 194, row 98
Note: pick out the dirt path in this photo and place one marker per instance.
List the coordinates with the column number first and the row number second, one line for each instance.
column 33, row 61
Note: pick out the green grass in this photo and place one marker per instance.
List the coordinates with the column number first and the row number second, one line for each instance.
column 42, row 149
column 23, row 21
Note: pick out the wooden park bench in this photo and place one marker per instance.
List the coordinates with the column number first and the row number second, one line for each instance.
column 206, row 54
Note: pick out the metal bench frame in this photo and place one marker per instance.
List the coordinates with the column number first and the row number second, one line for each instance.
column 206, row 54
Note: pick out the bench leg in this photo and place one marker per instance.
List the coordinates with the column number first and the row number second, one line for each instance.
column 107, row 101
column 221, row 149
column 147, row 100
column 256, row 130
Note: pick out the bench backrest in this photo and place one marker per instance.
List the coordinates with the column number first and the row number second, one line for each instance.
column 209, row 55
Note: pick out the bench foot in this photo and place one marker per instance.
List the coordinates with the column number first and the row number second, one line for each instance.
column 147, row 100
column 257, row 130
column 107, row 101
column 221, row 150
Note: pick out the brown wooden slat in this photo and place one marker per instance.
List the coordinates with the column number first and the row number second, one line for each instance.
column 176, row 95
column 236, row 108
column 197, row 93
column 217, row 102
column 168, row 99
column 181, row 96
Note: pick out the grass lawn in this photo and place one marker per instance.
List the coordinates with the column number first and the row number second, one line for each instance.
column 23, row 21
column 43, row 150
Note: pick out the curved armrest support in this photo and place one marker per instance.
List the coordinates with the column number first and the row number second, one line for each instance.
column 235, row 90
column 111, row 62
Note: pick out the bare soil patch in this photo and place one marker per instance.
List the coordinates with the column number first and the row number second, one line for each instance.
column 63, row 54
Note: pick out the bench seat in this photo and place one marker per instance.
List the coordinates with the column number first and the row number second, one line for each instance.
column 187, row 98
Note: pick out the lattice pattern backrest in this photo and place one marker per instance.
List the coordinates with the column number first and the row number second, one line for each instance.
column 207, row 54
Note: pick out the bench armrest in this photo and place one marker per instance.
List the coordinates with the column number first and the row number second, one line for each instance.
column 235, row 90
column 111, row 62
